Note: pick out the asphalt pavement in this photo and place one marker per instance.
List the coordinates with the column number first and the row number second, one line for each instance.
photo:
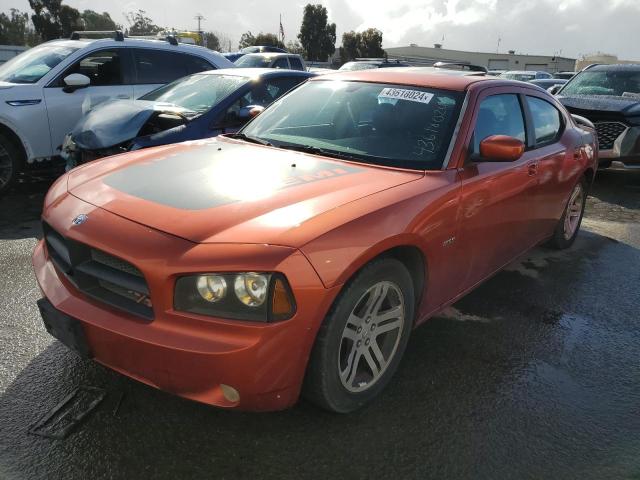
column 534, row 375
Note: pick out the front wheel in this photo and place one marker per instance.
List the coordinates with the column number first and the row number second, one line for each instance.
column 10, row 163
column 567, row 229
column 363, row 338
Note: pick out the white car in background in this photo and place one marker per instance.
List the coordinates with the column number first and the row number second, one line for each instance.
column 46, row 90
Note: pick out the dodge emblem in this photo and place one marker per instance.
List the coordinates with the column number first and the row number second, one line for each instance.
column 80, row 219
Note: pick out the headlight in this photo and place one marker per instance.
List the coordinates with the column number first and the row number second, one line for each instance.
column 251, row 288
column 211, row 287
column 262, row 297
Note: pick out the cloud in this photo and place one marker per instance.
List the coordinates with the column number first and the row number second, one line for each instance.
column 528, row 26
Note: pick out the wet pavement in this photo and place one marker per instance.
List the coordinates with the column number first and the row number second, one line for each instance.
column 534, row 375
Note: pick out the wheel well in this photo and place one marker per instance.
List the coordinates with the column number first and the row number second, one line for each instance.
column 590, row 174
column 412, row 258
column 14, row 139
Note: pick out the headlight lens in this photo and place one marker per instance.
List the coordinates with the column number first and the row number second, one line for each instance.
column 251, row 288
column 212, row 288
column 263, row 297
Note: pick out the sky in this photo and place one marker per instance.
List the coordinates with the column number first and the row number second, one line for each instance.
column 561, row 27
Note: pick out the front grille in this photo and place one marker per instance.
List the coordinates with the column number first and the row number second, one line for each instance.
column 100, row 275
column 608, row 133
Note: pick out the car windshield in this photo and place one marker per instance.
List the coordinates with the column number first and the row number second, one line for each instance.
column 392, row 125
column 523, row 77
column 618, row 83
column 32, row 65
column 359, row 66
column 254, row 61
column 199, row 92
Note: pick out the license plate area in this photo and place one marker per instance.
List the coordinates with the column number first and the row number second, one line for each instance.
column 65, row 328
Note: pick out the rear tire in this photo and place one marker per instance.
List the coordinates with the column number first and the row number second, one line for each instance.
column 604, row 165
column 11, row 160
column 569, row 225
column 362, row 339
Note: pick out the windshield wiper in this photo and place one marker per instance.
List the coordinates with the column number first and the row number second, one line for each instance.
column 242, row 136
column 323, row 151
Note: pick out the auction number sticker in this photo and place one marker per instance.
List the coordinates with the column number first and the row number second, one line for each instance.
column 409, row 95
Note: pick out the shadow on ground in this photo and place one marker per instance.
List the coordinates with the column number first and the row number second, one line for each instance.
column 532, row 375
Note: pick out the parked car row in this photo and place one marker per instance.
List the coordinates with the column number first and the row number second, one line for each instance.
column 45, row 91
column 295, row 257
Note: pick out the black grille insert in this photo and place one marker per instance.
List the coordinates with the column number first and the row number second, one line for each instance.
column 100, row 275
column 608, row 133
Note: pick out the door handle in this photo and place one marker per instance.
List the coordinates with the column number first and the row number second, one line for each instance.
column 123, row 97
column 533, row 169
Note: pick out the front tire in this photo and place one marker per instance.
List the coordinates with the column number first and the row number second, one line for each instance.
column 567, row 229
column 10, row 163
column 362, row 339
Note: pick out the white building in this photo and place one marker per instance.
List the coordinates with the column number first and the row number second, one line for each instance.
column 7, row 52
column 417, row 55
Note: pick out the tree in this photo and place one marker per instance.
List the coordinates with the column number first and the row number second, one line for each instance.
column 211, row 41
column 70, row 20
column 46, row 18
column 269, row 39
column 317, row 36
column 98, row 21
column 16, row 29
column 140, row 24
column 293, row 46
column 246, row 40
column 367, row 44
column 350, row 46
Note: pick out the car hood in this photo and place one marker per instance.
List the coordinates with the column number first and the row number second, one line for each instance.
column 226, row 191
column 626, row 106
column 116, row 122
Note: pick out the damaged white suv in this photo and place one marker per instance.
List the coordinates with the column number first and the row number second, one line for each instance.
column 46, row 90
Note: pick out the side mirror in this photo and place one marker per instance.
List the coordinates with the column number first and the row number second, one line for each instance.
column 75, row 81
column 501, row 148
column 555, row 89
column 249, row 112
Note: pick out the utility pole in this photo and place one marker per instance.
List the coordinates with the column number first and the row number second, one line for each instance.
column 199, row 17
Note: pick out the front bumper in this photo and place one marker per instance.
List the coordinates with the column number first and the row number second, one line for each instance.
column 185, row 354
column 626, row 149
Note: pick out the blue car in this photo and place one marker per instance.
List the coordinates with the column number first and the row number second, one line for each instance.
column 199, row 106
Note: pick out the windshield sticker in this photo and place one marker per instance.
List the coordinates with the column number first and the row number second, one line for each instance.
column 409, row 95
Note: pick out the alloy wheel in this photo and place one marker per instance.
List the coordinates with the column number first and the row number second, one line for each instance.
column 574, row 211
column 371, row 336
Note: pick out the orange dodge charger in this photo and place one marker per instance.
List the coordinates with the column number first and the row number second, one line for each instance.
column 296, row 256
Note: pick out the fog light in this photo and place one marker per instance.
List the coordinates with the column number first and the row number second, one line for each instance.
column 230, row 393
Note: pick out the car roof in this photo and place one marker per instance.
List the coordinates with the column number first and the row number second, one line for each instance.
column 417, row 76
column 132, row 41
column 524, row 72
column 622, row 67
column 258, row 72
column 271, row 54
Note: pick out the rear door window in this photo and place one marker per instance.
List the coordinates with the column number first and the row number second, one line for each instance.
column 158, row 66
column 296, row 64
column 546, row 121
column 498, row 115
column 281, row 62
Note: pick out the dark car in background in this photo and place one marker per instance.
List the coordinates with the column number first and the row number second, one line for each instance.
column 609, row 96
column 525, row 75
column 371, row 63
column 233, row 56
column 290, row 61
column 548, row 82
column 195, row 107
